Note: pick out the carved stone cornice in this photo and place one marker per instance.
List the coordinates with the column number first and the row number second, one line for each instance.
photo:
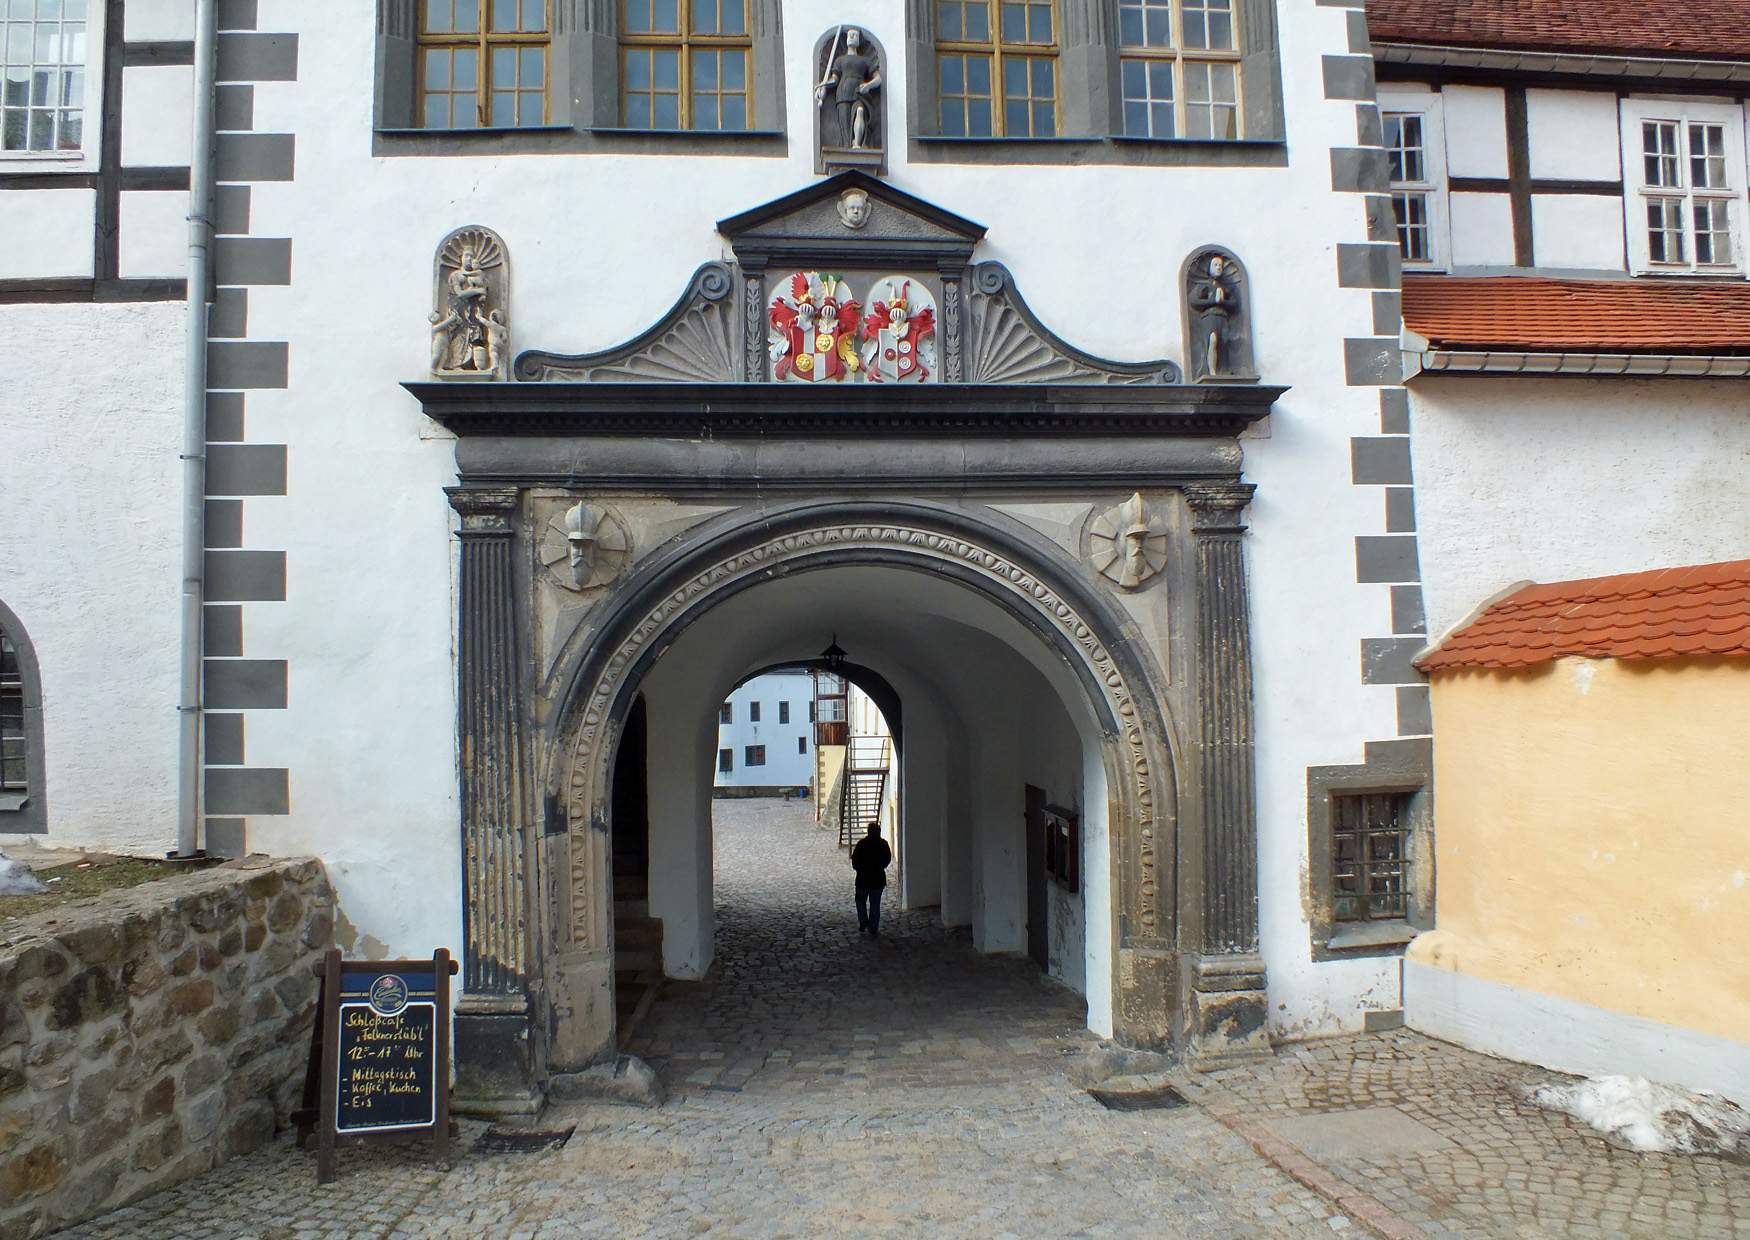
column 486, row 512
column 1216, row 507
column 697, row 341
column 765, row 410
column 1010, row 344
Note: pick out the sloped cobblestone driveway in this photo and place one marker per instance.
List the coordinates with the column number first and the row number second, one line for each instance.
column 821, row 1084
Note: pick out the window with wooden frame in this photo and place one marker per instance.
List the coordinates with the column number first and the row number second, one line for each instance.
column 44, row 53
column 686, row 64
column 997, row 76
column 1686, row 163
column 483, row 63
column 1415, row 151
column 1179, row 68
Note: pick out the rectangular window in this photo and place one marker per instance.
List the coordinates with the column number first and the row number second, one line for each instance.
column 483, row 63
column 1179, row 87
column 1687, row 206
column 1407, row 155
column 726, row 713
column 726, row 760
column 801, row 744
column 976, row 56
column 783, row 712
column 1369, row 856
column 754, row 755
column 12, row 754
column 42, row 76
column 685, row 64
column 753, row 712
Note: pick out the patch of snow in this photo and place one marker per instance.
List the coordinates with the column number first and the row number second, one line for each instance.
column 1637, row 1114
column 17, row 880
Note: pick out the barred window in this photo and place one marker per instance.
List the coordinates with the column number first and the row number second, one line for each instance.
column 726, row 760
column 754, row 755
column 783, row 712
column 801, row 744
column 726, row 713
column 685, row 64
column 42, row 75
column 997, row 79
column 13, row 742
column 1369, row 856
column 1179, row 68
column 753, row 712
column 483, row 63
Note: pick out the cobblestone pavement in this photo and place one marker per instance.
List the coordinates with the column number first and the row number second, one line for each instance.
column 1456, row 1150
column 822, row 1084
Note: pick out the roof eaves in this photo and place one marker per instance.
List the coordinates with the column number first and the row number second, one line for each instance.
column 1596, row 365
column 1572, row 63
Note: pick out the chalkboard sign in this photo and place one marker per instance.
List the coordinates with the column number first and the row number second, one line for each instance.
column 380, row 1055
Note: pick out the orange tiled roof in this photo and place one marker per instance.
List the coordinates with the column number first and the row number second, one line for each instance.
column 1664, row 614
column 1536, row 314
column 1708, row 29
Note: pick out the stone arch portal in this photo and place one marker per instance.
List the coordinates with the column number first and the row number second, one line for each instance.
column 1136, row 750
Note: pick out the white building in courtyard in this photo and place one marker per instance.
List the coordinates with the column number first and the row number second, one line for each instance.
column 568, row 363
column 765, row 736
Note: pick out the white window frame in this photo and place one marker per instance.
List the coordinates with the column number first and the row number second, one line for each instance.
column 86, row 158
column 1428, row 106
column 1636, row 192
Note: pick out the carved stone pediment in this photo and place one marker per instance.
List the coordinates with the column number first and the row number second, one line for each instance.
column 851, row 220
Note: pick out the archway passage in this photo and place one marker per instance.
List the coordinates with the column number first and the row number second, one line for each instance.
column 798, row 1003
column 992, row 709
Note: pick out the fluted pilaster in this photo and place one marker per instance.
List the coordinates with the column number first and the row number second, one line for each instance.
column 495, row 837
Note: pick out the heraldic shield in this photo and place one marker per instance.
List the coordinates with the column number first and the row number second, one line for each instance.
column 814, row 329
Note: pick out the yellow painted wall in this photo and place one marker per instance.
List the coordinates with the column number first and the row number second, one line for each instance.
column 1592, row 836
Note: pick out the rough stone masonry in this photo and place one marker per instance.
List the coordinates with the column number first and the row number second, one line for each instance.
column 150, row 1035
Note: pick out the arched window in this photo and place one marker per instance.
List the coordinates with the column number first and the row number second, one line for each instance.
column 21, row 746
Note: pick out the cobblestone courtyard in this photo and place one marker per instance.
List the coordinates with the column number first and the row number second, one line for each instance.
column 824, row 1084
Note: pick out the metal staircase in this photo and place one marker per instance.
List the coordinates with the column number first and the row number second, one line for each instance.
column 862, row 786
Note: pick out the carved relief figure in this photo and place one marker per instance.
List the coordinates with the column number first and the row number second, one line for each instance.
column 1216, row 310
column 585, row 546
column 899, row 336
column 854, row 209
column 850, row 75
column 470, row 333
column 814, row 329
column 1128, row 544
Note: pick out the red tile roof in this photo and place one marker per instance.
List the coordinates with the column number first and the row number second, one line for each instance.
column 1535, row 314
column 1664, row 614
column 1706, row 29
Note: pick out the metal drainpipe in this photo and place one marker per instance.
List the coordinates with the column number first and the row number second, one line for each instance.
column 194, row 433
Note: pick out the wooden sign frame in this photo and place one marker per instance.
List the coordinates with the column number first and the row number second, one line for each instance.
column 320, row 1111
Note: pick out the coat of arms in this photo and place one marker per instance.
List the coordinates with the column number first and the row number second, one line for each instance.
column 899, row 336
column 814, row 329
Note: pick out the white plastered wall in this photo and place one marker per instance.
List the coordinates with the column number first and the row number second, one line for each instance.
column 600, row 246
column 90, row 499
column 1552, row 479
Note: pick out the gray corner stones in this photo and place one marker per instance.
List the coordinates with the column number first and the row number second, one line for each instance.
column 1400, row 510
column 224, row 523
column 1384, row 559
column 252, row 260
column 1372, row 361
column 244, row 684
column 1394, row 412
column 245, row 576
column 1381, row 460
column 1388, row 313
column 248, row 790
column 253, row 156
column 258, row 57
column 1369, row 265
column 1386, row 660
column 1415, row 716
column 1406, row 610
column 247, row 364
column 246, row 469
column 1349, row 77
column 224, row 740
column 1359, row 170
column 222, row 631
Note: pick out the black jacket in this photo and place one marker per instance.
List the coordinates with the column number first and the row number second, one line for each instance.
column 870, row 859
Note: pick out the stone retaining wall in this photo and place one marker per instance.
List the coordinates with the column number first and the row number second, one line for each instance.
column 150, row 1034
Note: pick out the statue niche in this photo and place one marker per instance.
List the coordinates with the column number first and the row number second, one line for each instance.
column 1218, row 318
column 849, row 117
column 470, row 328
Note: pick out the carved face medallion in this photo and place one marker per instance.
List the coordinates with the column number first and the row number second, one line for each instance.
column 854, row 208
column 1128, row 544
column 585, row 546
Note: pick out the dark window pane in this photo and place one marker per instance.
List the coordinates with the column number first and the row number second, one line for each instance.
column 948, row 23
column 503, row 108
column 1136, row 119
column 1039, row 23
column 667, row 64
column 464, row 67
column 1163, row 120
column 735, row 111
column 978, row 118
column 1135, row 75
column 528, row 109
column 668, row 112
column 978, row 75
column 1130, row 27
column 1014, row 23
column 734, row 65
column 1044, row 119
column 978, row 22
column 953, row 119
column 953, row 75
column 1015, row 118
column 704, row 111
column 533, row 70
column 1014, row 77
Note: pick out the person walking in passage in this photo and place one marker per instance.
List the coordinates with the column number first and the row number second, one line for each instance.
column 870, row 859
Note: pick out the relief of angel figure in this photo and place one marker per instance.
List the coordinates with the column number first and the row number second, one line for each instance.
column 814, row 329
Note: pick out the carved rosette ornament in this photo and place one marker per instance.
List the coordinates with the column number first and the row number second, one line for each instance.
column 470, row 317
column 585, row 547
column 1128, row 544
